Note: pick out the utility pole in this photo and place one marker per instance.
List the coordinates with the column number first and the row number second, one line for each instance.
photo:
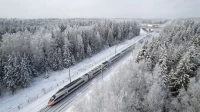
column 69, row 75
column 101, row 71
column 69, row 70
column 115, row 46
column 115, row 49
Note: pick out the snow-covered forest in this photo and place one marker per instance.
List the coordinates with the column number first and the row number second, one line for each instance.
column 164, row 76
column 152, row 21
column 31, row 47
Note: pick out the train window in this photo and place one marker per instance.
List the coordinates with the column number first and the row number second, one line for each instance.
column 53, row 97
column 86, row 75
column 75, row 86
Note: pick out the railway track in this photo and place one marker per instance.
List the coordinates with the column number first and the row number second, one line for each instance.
column 64, row 103
column 60, row 106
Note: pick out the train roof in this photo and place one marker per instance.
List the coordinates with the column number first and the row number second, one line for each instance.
column 105, row 62
column 68, row 85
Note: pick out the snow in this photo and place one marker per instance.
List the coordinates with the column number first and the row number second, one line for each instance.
column 40, row 85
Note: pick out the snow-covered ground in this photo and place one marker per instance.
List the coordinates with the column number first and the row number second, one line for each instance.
column 40, row 90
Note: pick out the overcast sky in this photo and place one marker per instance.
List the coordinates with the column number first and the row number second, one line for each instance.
column 99, row 8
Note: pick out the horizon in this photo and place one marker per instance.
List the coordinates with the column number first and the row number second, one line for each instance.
column 64, row 9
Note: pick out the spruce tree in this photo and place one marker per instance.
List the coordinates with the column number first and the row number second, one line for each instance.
column 11, row 70
column 164, row 66
column 143, row 53
column 66, row 57
column 89, row 51
column 110, row 40
column 25, row 72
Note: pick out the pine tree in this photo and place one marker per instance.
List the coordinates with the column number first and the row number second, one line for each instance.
column 16, row 64
column 62, row 27
column 44, row 61
column 60, row 60
column 191, row 65
column 89, row 50
column 11, row 71
column 149, row 65
column 55, row 56
column 79, row 46
column 93, row 41
column 198, row 31
column 119, row 36
column 73, row 61
column 25, row 72
column 131, row 34
column 98, row 42
column 182, row 78
column 143, row 53
column 1, row 67
column 66, row 57
column 54, row 59
column 110, row 39
column 1, row 73
column 164, row 66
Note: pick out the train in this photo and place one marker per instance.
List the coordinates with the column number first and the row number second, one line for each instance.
column 69, row 88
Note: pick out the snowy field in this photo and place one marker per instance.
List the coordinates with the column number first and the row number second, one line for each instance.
column 56, row 80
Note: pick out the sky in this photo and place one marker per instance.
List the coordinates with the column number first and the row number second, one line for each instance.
column 99, row 8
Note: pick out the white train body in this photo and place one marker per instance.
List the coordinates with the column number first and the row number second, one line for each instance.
column 69, row 88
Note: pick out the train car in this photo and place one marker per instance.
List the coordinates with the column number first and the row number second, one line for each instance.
column 66, row 90
column 95, row 71
column 129, row 47
column 124, row 51
column 105, row 64
column 85, row 77
column 115, row 57
column 69, row 88
column 118, row 55
column 112, row 59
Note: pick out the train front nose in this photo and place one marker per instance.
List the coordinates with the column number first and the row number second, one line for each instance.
column 49, row 102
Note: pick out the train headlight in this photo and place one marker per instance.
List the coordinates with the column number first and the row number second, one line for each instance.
column 50, row 101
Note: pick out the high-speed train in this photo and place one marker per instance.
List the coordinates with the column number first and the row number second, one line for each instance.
column 69, row 88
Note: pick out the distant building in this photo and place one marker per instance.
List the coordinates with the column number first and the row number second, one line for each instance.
column 150, row 25
column 155, row 26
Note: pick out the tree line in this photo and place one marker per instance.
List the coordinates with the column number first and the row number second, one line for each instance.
column 31, row 47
